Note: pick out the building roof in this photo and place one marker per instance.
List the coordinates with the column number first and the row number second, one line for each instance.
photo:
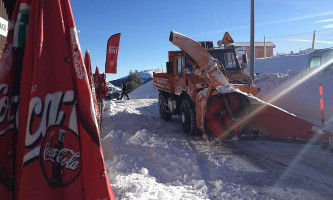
column 256, row 44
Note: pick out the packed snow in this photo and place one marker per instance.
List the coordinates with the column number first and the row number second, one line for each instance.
column 148, row 158
column 281, row 64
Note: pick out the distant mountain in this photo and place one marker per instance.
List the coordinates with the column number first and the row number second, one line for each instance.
column 146, row 75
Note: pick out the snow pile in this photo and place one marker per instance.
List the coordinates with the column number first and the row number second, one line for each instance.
column 302, row 98
column 146, row 91
column 141, row 156
column 148, row 158
column 281, row 64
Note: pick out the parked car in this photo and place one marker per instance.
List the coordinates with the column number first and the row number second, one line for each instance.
column 320, row 57
column 114, row 93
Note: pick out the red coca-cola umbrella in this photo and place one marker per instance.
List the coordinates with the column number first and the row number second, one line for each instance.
column 58, row 148
column 98, row 84
column 104, row 88
column 87, row 63
column 10, row 74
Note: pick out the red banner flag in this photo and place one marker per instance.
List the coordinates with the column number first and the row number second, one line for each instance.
column 59, row 155
column 112, row 54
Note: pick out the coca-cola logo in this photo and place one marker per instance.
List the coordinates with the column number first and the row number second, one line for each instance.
column 60, row 156
column 8, row 110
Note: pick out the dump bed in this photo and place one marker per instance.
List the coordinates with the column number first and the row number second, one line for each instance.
column 164, row 81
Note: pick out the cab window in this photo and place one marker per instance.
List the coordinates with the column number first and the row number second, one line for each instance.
column 179, row 65
column 230, row 60
column 188, row 64
column 315, row 62
column 226, row 57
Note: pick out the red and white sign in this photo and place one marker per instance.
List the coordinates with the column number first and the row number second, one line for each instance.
column 112, row 54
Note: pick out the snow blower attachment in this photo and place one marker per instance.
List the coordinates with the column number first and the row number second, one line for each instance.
column 216, row 98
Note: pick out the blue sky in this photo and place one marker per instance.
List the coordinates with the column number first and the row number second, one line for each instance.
column 145, row 25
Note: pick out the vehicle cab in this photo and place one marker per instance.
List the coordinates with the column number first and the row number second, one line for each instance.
column 319, row 58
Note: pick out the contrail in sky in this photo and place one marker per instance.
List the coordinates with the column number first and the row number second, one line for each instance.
column 328, row 26
column 215, row 19
column 297, row 18
column 323, row 21
column 310, row 41
column 277, row 22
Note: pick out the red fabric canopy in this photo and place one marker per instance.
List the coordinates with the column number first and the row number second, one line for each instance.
column 100, row 85
column 58, row 151
column 10, row 75
column 87, row 63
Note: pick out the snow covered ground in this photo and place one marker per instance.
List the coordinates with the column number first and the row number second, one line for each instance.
column 148, row 158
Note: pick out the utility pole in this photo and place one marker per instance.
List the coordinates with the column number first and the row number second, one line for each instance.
column 252, row 41
column 313, row 40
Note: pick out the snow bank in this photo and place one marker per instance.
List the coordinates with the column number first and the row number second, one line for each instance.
column 146, row 91
column 298, row 95
column 281, row 64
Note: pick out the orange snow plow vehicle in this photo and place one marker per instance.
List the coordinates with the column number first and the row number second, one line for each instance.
column 213, row 95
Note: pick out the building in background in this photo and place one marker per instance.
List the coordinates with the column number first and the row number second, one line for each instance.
column 6, row 11
column 259, row 48
column 244, row 47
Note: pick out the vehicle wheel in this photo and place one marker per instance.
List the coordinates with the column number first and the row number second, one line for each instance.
column 163, row 108
column 188, row 117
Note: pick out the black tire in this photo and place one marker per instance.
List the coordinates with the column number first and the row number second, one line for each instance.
column 163, row 108
column 188, row 117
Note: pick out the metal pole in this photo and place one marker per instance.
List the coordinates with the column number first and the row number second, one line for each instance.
column 252, row 41
column 265, row 54
column 313, row 40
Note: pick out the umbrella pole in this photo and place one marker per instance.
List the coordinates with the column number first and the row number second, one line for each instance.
column 101, row 107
